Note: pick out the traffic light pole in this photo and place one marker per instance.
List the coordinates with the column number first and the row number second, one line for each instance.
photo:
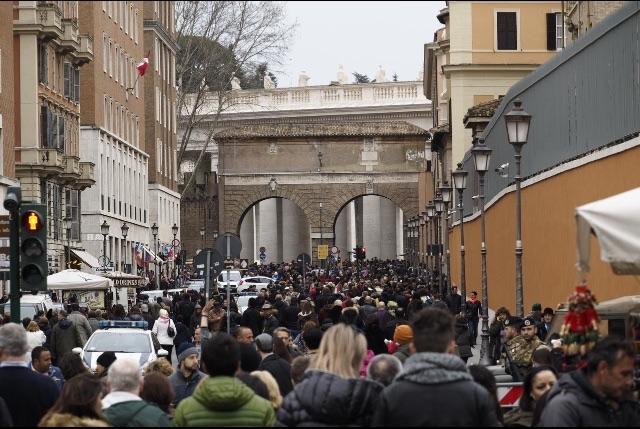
column 14, row 292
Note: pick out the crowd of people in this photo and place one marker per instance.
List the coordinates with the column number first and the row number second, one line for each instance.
column 369, row 345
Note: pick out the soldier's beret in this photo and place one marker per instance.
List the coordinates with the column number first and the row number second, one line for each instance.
column 529, row 321
column 513, row 321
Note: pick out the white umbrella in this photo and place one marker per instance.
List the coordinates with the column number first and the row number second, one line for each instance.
column 616, row 223
column 77, row 280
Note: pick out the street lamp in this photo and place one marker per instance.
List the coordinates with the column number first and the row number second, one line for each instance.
column 460, row 183
column 67, row 227
column 125, row 231
column 517, row 122
column 202, row 237
column 431, row 212
column 439, row 208
column 481, row 156
column 104, row 230
column 174, row 230
column 446, row 192
column 423, row 238
column 154, row 232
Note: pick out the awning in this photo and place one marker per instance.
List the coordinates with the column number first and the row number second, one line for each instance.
column 77, row 280
column 86, row 257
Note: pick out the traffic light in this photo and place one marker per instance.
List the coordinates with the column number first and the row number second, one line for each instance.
column 33, row 247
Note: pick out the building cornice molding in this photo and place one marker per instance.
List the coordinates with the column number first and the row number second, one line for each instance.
column 448, row 68
column 315, row 178
column 115, row 137
column 154, row 25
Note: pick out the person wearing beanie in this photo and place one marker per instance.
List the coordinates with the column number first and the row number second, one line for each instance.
column 103, row 363
column 403, row 336
column 188, row 375
column 274, row 364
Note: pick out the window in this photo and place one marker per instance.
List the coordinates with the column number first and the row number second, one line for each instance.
column 51, row 129
column 104, row 6
column 76, row 84
column 110, row 60
column 157, row 104
column 53, row 195
column 555, row 31
column 117, row 62
column 71, row 82
column 72, row 210
column 156, row 45
column 105, row 117
column 43, row 59
column 105, row 52
column 507, row 31
column 135, row 27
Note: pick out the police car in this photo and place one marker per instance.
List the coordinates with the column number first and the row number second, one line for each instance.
column 127, row 339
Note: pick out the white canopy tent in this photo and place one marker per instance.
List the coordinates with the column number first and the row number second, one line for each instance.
column 77, row 280
column 616, row 223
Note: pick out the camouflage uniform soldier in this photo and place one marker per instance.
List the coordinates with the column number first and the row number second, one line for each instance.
column 519, row 350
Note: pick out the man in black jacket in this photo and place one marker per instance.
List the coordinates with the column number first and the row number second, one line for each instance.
column 251, row 318
column 28, row 394
column 274, row 364
column 434, row 388
column 601, row 394
column 454, row 301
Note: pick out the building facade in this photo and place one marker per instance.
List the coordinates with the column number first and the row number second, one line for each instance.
column 583, row 15
column 49, row 50
column 112, row 131
column 160, row 120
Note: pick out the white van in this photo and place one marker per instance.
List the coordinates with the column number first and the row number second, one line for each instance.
column 30, row 305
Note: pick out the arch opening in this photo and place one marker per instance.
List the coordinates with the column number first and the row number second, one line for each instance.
column 373, row 221
column 277, row 224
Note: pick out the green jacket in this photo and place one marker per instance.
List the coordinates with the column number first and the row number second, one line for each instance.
column 136, row 414
column 224, row 401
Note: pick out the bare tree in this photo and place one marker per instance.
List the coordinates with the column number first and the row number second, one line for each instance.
column 219, row 41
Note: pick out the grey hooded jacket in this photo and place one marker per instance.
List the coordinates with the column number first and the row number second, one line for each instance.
column 435, row 389
column 573, row 402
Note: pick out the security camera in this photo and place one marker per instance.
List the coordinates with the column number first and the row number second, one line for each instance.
column 13, row 198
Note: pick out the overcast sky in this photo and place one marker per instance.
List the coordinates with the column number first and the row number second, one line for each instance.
column 360, row 36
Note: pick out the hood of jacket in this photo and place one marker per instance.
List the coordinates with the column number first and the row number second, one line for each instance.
column 434, row 368
column 65, row 323
column 329, row 398
column 223, row 393
column 69, row 420
column 577, row 383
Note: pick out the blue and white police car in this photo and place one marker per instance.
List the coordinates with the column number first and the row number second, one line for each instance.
column 127, row 339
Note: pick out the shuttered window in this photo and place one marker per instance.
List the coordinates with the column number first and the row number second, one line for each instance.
column 551, row 31
column 507, row 31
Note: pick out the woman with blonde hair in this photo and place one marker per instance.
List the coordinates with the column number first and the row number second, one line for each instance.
column 272, row 386
column 335, row 372
column 35, row 337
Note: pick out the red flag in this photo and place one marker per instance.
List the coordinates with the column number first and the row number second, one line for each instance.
column 142, row 67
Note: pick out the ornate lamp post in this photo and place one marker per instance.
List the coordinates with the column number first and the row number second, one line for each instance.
column 67, row 227
column 460, row 183
column 446, row 192
column 174, row 230
column 423, row 239
column 481, row 156
column 202, row 237
column 154, row 232
column 517, row 122
column 439, row 207
column 104, row 230
column 125, row 231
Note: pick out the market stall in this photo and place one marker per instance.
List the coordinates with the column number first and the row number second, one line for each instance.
column 89, row 289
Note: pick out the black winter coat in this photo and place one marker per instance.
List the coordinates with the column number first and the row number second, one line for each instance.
column 435, row 389
column 325, row 399
column 281, row 371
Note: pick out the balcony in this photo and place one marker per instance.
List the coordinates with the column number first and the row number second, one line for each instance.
column 46, row 22
column 40, row 162
column 85, row 53
column 70, row 39
column 71, row 170
column 86, row 179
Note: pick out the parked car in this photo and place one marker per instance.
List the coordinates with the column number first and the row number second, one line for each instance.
column 127, row 339
column 258, row 281
column 30, row 305
column 232, row 280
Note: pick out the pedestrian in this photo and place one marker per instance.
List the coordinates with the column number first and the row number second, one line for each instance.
column 285, row 335
column 463, row 342
column 485, row 378
column 157, row 390
column 79, row 404
column 251, row 318
column 434, row 387
column 335, row 371
column 64, row 337
column 538, row 382
column 403, row 336
column 496, row 333
column 81, row 323
column 272, row 387
column 545, row 325
column 41, row 363
column 123, row 406
column 600, row 394
column 520, row 349
column 71, row 365
column 454, row 301
column 28, row 395
column 159, row 365
column 183, row 333
column 299, row 367
column 103, row 363
column 221, row 399
column 35, row 337
column 270, row 321
column 188, row 374
column 312, row 338
column 473, row 313
column 244, row 335
column 274, row 364
column 374, row 334
column 165, row 331
column 92, row 318
column 383, row 369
